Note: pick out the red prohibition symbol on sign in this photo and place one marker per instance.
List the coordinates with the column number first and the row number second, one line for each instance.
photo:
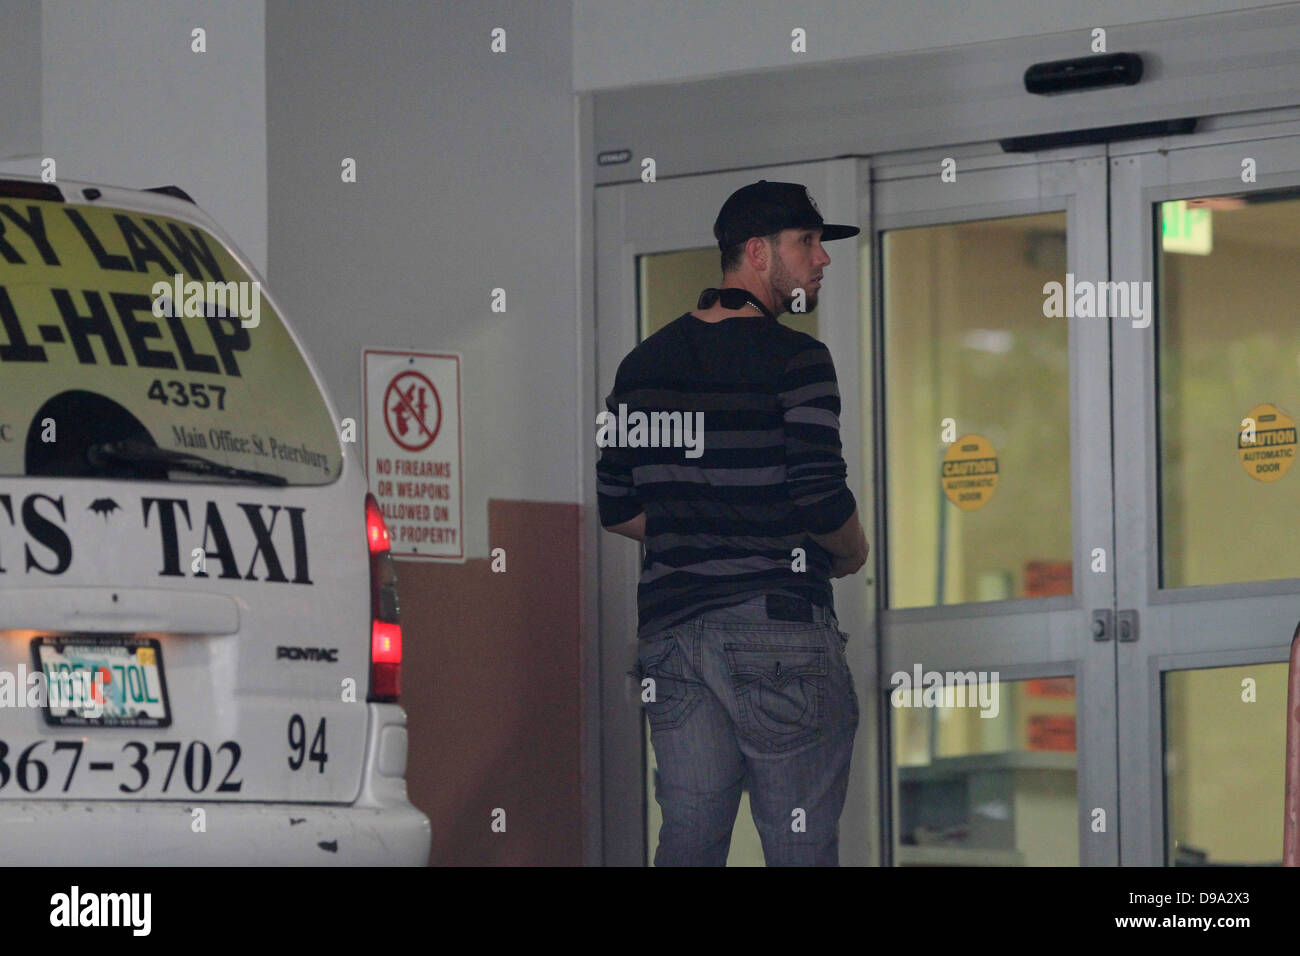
column 412, row 411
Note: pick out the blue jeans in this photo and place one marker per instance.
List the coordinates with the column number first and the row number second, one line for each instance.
column 740, row 694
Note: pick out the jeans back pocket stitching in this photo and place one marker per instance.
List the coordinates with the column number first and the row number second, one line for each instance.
column 816, row 670
column 667, row 717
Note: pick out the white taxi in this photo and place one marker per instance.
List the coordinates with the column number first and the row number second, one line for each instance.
column 200, row 647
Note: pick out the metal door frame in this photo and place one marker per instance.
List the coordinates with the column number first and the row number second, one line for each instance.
column 1035, row 637
column 1179, row 628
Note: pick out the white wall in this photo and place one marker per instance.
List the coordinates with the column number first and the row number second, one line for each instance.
column 125, row 102
column 619, row 43
column 466, row 181
column 20, row 79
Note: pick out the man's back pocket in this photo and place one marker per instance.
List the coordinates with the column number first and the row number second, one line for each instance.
column 667, row 693
column 780, row 691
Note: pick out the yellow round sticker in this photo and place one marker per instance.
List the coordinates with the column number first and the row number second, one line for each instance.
column 970, row 472
column 1266, row 443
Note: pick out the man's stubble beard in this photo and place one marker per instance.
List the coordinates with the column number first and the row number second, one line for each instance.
column 782, row 286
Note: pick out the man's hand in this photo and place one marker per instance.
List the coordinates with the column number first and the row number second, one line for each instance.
column 847, row 546
column 843, row 567
column 634, row 528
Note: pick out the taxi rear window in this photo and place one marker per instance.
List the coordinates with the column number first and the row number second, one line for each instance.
column 134, row 345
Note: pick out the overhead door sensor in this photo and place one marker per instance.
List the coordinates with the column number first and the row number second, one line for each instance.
column 1084, row 73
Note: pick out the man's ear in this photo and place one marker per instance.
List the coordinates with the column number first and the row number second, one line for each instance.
column 758, row 252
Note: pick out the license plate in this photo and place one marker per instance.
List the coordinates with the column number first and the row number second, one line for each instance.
column 103, row 681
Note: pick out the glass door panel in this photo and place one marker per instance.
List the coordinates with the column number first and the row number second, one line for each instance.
column 995, row 506
column 1208, row 573
column 965, row 338
column 1224, row 758
column 992, row 784
column 1229, row 350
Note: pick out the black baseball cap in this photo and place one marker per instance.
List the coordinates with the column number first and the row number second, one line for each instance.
column 763, row 208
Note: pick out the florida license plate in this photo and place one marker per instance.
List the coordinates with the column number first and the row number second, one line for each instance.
column 103, row 681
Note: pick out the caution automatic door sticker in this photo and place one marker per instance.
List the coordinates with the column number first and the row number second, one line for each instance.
column 1266, row 443
column 970, row 472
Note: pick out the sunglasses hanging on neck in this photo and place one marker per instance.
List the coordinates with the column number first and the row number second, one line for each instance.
column 732, row 299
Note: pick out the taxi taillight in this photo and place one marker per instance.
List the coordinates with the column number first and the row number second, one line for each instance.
column 385, row 616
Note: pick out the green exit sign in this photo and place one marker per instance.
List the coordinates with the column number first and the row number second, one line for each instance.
column 1185, row 229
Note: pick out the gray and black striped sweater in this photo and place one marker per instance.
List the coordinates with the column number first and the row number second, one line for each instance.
column 726, row 506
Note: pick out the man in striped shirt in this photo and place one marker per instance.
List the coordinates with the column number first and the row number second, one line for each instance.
column 721, row 452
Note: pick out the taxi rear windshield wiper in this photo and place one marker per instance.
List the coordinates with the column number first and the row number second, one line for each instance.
column 138, row 452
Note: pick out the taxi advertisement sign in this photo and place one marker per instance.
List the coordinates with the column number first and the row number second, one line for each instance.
column 121, row 323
